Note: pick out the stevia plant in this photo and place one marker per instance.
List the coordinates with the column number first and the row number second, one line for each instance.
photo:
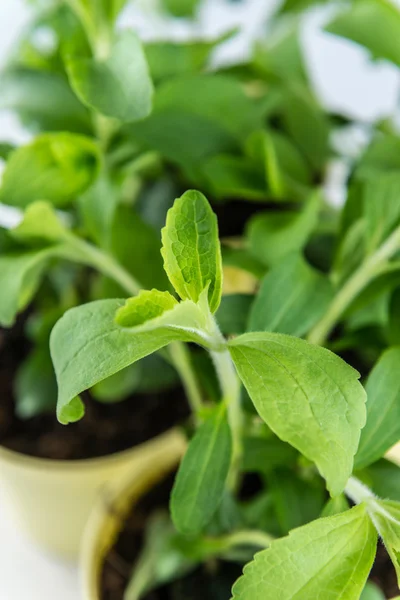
column 114, row 140
column 307, row 428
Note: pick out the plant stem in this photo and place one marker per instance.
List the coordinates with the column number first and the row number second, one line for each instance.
column 106, row 264
column 369, row 269
column 250, row 537
column 181, row 359
column 230, row 388
column 357, row 491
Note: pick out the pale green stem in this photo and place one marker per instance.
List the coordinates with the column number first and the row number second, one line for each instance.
column 358, row 492
column 178, row 352
column 181, row 359
column 106, row 264
column 369, row 269
column 230, row 387
column 249, row 537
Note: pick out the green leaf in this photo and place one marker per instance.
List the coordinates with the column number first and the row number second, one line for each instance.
column 119, row 86
column 87, row 345
column 20, row 274
column 291, row 299
column 393, row 328
column 97, row 208
column 181, row 8
column 374, row 24
column 147, row 305
column 286, row 171
column 281, row 56
column 200, row 482
column 383, row 477
column 35, row 385
column 233, row 313
column 290, row 6
column 173, row 59
column 343, row 550
column 263, row 455
column 43, row 99
column 198, row 116
column 40, row 223
column 372, row 592
column 55, row 166
column 274, row 235
column 235, row 177
column 296, row 501
column 382, row 430
column 334, row 506
column 149, row 375
column 191, row 249
column 307, row 124
column 382, row 154
column 308, row 396
column 381, row 207
column 386, row 518
column 136, row 245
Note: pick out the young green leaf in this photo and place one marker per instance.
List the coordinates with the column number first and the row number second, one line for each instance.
column 328, row 558
column 40, row 223
column 201, row 477
column 308, row 396
column 88, row 345
column 381, row 207
column 181, row 8
column 382, row 430
column 286, row 171
column 372, row 592
column 20, row 274
column 385, row 515
column 191, row 249
column 198, row 116
column 292, row 298
column 55, row 166
column 146, row 306
column 374, row 24
column 119, row 86
column 335, row 506
column 35, row 385
column 274, row 235
column 44, row 100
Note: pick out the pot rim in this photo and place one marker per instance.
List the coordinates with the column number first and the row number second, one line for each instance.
column 35, row 462
column 114, row 503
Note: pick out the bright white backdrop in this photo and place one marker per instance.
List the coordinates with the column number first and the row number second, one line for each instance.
column 345, row 80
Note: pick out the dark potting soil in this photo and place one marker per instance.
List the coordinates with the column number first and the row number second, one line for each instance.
column 105, row 428
column 213, row 581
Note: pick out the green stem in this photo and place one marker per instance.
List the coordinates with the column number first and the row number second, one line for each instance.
column 230, row 387
column 357, row 491
column 181, row 359
column 369, row 269
column 106, row 264
column 250, row 537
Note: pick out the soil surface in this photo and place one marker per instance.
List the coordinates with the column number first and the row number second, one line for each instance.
column 105, row 428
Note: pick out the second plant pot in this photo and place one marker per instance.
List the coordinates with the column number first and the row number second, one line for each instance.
column 52, row 499
column 108, row 515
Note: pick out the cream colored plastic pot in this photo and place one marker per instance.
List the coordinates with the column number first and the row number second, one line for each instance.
column 52, row 499
column 113, row 505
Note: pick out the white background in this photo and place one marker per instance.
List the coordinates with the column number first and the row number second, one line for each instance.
column 345, row 80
